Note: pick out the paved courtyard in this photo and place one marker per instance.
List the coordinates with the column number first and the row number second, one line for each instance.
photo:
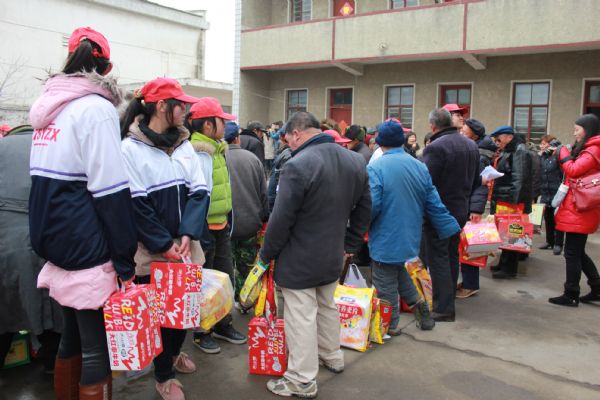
column 507, row 343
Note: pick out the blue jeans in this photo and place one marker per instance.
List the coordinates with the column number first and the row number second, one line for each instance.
column 470, row 277
column 391, row 281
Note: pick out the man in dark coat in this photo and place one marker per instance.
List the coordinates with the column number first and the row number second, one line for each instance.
column 22, row 305
column 474, row 130
column 252, row 139
column 283, row 155
column 453, row 163
column 249, row 200
column 514, row 187
column 357, row 136
column 322, row 211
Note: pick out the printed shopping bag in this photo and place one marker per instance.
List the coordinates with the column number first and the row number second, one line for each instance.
column 267, row 352
column 178, row 286
column 131, row 320
column 516, row 232
column 421, row 279
column 472, row 259
column 355, row 307
column 503, row 207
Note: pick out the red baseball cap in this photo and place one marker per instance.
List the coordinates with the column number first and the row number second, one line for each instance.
column 452, row 108
column 80, row 34
column 339, row 139
column 164, row 89
column 208, row 107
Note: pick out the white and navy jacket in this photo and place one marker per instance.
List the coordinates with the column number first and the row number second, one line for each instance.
column 80, row 208
column 170, row 195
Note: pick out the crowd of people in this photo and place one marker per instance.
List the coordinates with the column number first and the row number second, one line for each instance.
column 175, row 178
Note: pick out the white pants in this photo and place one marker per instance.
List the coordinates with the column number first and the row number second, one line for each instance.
column 312, row 331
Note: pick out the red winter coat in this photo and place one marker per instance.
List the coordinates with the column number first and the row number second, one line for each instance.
column 568, row 219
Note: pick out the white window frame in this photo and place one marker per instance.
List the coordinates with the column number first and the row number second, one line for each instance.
column 384, row 108
column 510, row 99
column 285, row 101
column 289, row 13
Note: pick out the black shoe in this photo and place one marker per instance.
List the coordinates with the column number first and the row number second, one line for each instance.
column 564, row 300
column 591, row 297
column 503, row 275
column 546, row 246
column 206, row 343
column 229, row 334
column 423, row 318
column 443, row 317
column 556, row 250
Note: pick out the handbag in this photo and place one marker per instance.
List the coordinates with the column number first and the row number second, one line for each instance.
column 586, row 192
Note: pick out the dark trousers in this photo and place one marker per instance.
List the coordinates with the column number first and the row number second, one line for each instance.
column 84, row 333
column 219, row 257
column 553, row 237
column 509, row 262
column 5, row 341
column 441, row 257
column 577, row 260
column 470, row 277
column 172, row 341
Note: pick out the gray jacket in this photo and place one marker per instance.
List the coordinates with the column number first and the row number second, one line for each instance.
column 248, row 192
column 323, row 208
column 22, row 305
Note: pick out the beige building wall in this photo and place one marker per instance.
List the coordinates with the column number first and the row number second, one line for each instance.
column 491, row 88
column 255, row 100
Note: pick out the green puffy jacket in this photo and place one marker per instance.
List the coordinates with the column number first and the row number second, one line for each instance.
column 220, row 197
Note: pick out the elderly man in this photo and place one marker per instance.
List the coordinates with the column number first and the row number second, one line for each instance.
column 515, row 187
column 453, row 162
column 322, row 211
column 251, row 139
column 402, row 194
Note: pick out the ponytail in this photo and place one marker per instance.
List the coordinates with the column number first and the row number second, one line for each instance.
column 83, row 59
column 136, row 107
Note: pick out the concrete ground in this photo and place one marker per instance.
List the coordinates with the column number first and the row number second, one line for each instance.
column 507, row 343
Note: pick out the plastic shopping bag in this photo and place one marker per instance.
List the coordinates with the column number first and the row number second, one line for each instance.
column 216, row 300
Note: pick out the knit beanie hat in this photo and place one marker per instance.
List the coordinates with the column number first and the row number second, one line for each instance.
column 391, row 134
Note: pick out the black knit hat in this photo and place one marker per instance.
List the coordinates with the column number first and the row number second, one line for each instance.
column 476, row 126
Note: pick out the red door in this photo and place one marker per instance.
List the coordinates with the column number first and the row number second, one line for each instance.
column 343, row 8
column 340, row 105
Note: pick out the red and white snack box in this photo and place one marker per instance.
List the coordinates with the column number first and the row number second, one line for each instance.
column 132, row 330
column 267, row 353
column 516, row 234
column 385, row 309
column 178, row 288
column 481, row 237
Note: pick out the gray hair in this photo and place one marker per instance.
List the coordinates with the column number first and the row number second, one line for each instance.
column 440, row 118
column 301, row 121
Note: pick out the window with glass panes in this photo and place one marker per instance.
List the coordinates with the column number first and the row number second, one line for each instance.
column 403, row 3
column 301, row 10
column 591, row 101
column 296, row 101
column 456, row 94
column 399, row 104
column 530, row 109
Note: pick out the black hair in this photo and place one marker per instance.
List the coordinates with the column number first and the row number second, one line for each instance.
column 197, row 125
column 591, row 126
column 138, row 107
column 83, row 60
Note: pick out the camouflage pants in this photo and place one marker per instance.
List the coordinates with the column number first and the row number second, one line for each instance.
column 244, row 258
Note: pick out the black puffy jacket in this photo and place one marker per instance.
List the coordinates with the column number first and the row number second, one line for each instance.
column 487, row 149
column 282, row 157
column 516, row 186
column 552, row 177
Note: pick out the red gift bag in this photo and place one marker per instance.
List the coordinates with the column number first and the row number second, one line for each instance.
column 132, row 328
column 267, row 352
column 178, row 288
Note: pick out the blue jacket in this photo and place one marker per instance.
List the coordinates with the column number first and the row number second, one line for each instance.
column 402, row 194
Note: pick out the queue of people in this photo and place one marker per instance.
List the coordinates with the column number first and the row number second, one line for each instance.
column 175, row 178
